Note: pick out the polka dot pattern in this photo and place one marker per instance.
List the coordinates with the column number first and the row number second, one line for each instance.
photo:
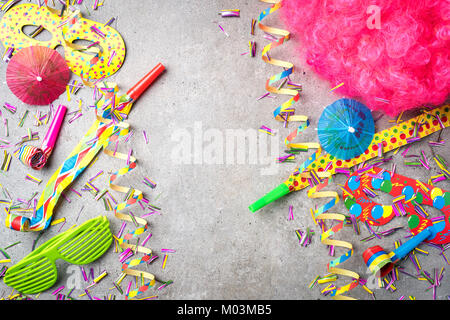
column 91, row 63
column 401, row 132
column 410, row 196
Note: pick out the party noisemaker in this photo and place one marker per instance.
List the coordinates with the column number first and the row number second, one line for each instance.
column 111, row 109
column 401, row 134
column 36, row 158
column 381, row 263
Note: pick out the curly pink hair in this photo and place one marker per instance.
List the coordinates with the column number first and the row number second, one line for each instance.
column 402, row 55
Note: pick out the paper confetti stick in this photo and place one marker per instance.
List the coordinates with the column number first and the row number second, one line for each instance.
column 230, row 13
column 252, row 27
column 223, row 30
column 284, row 112
column 338, row 86
column 149, row 183
column 6, row 161
column 9, row 107
column 266, row 130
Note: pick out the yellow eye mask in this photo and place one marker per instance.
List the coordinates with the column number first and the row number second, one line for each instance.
column 101, row 58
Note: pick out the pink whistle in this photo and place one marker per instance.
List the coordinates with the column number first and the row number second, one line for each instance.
column 53, row 131
column 36, row 158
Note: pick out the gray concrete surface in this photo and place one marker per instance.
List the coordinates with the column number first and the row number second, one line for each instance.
column 222, row 250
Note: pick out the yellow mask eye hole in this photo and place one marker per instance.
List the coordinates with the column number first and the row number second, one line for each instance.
column 38, row 33
column 88, row 47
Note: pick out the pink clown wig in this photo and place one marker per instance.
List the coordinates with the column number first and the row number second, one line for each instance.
column 393, row 55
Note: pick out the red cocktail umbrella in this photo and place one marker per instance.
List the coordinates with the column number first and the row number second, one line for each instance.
column 37, row 75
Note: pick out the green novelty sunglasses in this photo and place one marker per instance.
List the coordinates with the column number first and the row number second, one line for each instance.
column 82, row 245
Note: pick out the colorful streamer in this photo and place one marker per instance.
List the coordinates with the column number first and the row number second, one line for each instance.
column 133, row 196
column 322, row 213
column 76, row 162
column 284, row 112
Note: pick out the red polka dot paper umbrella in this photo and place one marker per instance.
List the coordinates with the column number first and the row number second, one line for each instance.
column 37, row 75
column 346, row 128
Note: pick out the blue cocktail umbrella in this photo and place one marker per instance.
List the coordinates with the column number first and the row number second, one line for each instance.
column 346, row 128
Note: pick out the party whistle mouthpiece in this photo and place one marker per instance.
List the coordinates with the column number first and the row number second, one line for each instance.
column 139, row 88
column 273, row 195
column 36, row 158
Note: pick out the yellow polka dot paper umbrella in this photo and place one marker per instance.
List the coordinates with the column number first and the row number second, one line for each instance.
column 346, row 128
column 37, row 75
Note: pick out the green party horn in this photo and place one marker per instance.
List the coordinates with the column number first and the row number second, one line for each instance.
column 82, row 245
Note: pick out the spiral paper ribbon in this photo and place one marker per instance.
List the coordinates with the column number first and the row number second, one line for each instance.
column 284, row 112
column 321, row 214
column 289, row 67
column 133, row 196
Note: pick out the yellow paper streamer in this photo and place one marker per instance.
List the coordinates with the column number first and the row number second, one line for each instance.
column 134, row 195
column 285, row 112
column 322, row 214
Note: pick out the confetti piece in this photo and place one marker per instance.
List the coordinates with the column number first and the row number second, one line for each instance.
column 223, row 30
column 58, row 221
column 9, row 107
column 58, row 290
column 110, row 21
column 252, row 27
column 252, row 48
column 164, row 261
column 338, row 86
column 230, row 13
column 266, row 130
column 168, row 250
column 291, row 213
column 98, row 32
column 145, row 136
column 263, row 96
column 381, row 100
column 149, row 183
column 6, row 161
column 75, row 117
